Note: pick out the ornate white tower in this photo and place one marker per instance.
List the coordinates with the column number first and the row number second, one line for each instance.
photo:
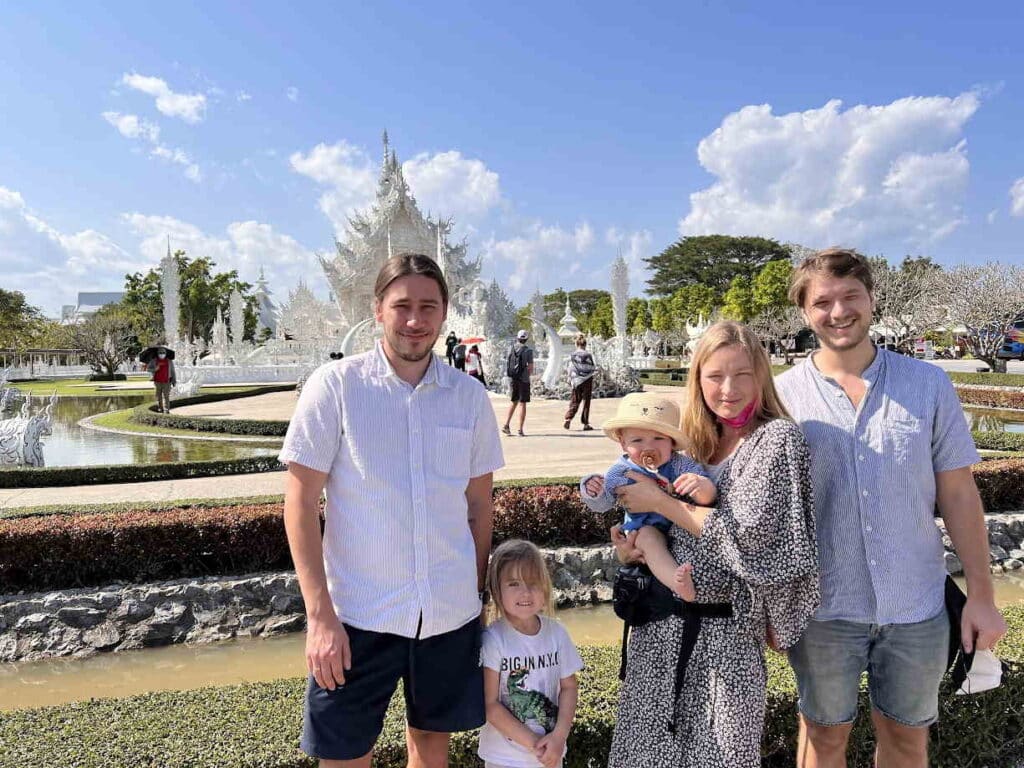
column 170, row 285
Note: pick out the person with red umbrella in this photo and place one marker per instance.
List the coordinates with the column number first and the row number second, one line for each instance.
column 474, row 364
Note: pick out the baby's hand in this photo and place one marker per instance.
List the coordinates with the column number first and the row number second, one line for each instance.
column 697, row 487
column 684, row 583
column 594, row 486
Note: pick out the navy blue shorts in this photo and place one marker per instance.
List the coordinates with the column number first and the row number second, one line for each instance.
column 442, row 681
column 520, row 391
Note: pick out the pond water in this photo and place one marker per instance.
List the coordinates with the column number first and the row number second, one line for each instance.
column 994, row 420
column 73, row 446
column 182, row 667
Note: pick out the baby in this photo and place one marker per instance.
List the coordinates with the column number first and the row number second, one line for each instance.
column 646, row 426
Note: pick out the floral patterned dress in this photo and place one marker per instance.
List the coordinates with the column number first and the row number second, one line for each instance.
column 756, row 551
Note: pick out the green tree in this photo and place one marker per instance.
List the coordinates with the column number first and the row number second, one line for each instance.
column 602, row 319
column 662, row 319
column 107, row 339
column 202, row 293
column 771, row 286
column 638, row 316
column 691, row 302
column 738, row 301
column 711, row 260
column 20, row 322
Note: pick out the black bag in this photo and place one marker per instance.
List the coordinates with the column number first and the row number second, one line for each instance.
column 638, row 597
column 958, row 661
column 514, row 363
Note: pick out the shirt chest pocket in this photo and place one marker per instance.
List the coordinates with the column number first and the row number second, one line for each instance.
column 904, row 438
column 453, row 452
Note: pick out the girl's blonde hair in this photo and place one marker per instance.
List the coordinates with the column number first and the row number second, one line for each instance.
column 528, row 563
column 699, row 423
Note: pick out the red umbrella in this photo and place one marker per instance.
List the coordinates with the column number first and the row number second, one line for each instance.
column 473, row 340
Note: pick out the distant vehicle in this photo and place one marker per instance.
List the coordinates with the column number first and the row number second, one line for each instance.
column 1013, row 343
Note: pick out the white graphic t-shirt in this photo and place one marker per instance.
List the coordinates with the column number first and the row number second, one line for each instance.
column 529, row 669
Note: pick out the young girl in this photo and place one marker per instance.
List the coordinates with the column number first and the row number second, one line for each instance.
column 530, row 665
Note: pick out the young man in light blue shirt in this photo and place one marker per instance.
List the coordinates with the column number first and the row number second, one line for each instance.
column 888, row 443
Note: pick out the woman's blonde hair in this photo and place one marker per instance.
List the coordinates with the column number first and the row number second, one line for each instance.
column 528, row 563
column 699, row 423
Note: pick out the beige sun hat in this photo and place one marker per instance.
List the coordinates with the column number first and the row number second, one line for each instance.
column 646, row 410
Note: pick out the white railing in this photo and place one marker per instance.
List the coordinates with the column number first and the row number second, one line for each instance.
column 242, row 374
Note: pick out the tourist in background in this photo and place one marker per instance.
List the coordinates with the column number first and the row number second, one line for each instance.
column 695, row 689
column 459, row 356
column 161, row 366
column 475, row 365
column 890, row 443
column 405, row 448
column 518, row 369
column 449, row 347
column 581, row 369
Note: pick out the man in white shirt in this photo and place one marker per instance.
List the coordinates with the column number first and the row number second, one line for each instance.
column 405, row 447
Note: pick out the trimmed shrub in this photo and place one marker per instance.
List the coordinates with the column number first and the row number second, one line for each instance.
column 991, row 398
column 107, row 377
column 1001, row 484
column 46, row 477
column 988, row 379
column 57, row 551
column 258, row 724
column 144, row 414
column 999, row 441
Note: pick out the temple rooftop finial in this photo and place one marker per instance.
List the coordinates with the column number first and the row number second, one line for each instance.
column 386, row 146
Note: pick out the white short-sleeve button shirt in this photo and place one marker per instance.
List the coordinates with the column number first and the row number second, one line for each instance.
column 397, row 544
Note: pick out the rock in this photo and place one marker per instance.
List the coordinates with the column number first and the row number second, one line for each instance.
column 953, row 564
column 996, row 553
column 102, row 637
column 34, row 622
column 1013, row 564
column 132, row 610
column 286, row 603
column 210, row 618
column 285, row 624
column 947, row 542
column 995, row 568
column 596, row 576
column 250, row 620
column 602, row 593
column 1016, row 554
column 564, row 579
column 8, row 647
column 1002, row 540
column 81, row 617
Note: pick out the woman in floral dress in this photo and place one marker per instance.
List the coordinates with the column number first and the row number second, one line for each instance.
column 754, row 552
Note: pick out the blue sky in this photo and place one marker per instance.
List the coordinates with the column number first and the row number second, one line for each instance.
column 556, row 134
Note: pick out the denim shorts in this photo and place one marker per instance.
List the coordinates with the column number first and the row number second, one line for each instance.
column 904, row 662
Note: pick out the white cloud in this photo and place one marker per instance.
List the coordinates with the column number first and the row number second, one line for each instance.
column 133, row 126
column 346, row 169
column 451, row 185
column 49, row 266
column 137, row 129
column 243, row 96
column 865, row 175
column 991, row 217
column 540, row 251
column 292, row 93
column 1017, row 197
column 245, row 246
column 190, row 107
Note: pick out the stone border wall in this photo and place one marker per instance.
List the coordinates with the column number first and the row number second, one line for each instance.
column 119, row 617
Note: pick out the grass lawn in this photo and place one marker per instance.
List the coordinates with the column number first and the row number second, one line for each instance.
column 121, row 420
column 85, row 388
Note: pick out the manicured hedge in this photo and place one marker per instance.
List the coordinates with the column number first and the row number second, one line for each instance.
column 144, row 414
column 258, row 724
column 47, row 477
column 988, row 379
column 1001, row 484
column 991, row 398
column 999, row 441
column 42, row 552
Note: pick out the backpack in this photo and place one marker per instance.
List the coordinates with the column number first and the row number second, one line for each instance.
column 459, row 353
column 514, row 363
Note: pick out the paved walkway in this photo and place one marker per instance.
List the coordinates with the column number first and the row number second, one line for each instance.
column 548, row 450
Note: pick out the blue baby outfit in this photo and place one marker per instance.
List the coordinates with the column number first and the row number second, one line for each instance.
column 616, row 476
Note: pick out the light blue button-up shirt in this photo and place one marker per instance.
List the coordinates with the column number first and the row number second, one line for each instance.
column 873, row 469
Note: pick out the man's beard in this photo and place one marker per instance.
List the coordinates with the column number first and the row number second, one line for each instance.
column 402, row 351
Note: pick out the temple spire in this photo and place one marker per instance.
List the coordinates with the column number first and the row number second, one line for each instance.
column 386, row 153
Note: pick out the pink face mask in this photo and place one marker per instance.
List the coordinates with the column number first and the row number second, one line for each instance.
column 741, row 421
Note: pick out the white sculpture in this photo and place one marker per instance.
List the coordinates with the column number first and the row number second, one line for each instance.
column 190, row 386
column 236, row 319
column 556, row 357
column 694, row 332
column 568, row 328
column 266, row 309
column 21, row 438
column 620, row 298
column 170, row 284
